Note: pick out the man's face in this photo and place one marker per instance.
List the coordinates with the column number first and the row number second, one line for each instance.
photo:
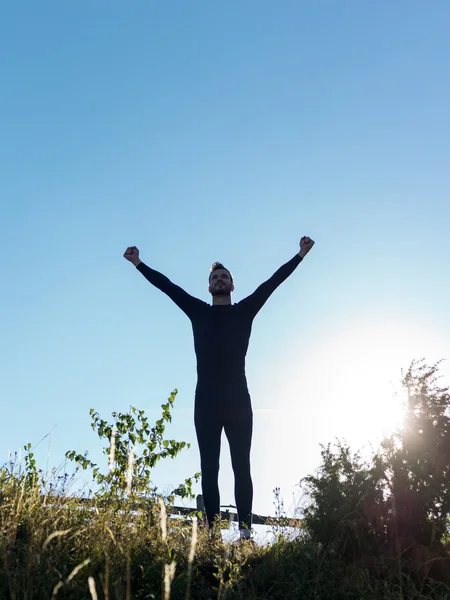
column 220, row 283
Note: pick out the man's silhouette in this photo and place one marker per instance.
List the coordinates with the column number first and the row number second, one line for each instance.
column 222, row 400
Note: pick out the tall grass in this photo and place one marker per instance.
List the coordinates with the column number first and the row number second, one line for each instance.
column 54, row 546
column 370, row 532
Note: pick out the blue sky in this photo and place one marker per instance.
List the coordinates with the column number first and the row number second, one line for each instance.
column 203, row 131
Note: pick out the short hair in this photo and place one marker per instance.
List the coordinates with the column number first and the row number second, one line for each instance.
column 218, row 265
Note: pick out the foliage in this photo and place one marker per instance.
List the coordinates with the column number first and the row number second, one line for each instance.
column 130, row 470
column 397, row 505
column 53, row 549
column 374, row 528
column 338, row 496
column 417, row 458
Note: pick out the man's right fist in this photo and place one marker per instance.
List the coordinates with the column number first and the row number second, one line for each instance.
column 132, row 254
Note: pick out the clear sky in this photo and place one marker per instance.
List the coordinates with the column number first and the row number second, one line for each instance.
column 222, row 131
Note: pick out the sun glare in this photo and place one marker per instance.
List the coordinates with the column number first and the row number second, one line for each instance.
column 348, row 385
column 362, row 370
column 364, row 399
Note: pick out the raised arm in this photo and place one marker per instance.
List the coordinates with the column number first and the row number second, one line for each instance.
column 182, row 299
column 256, row 301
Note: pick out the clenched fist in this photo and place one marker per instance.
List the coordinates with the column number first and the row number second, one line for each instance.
column 132, row 254
column 306, row 244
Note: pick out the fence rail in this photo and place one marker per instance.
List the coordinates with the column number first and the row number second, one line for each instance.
column 226, row 515
column 231, row 517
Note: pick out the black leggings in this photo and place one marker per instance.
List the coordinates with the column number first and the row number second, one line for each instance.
column 233, row 413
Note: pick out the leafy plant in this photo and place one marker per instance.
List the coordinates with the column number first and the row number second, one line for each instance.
column 396, row 505
column 417, row 458
column 31, row 471
column 134, row 447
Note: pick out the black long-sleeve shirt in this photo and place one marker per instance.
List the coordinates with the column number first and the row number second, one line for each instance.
column 221, row 332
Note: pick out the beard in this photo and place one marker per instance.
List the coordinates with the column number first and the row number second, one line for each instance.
column 221, row 291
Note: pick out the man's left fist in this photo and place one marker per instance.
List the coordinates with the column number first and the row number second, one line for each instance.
column 306, row 244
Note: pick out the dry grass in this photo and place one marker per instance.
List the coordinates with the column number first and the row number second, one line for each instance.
column 51, row 548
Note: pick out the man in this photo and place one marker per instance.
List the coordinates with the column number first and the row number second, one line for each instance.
column 222, row 400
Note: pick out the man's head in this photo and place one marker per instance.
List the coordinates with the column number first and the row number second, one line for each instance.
column 220, row 280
